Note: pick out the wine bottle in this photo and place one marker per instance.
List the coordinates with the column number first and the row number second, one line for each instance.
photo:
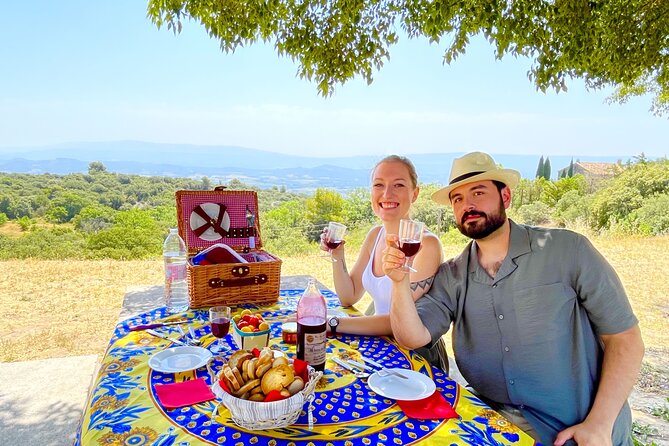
column 311, row 327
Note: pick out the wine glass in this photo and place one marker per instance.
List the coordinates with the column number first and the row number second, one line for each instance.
column 334, row 237
column 411, row 236
column 219, row 317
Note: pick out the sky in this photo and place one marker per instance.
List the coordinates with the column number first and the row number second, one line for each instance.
column 81, row 71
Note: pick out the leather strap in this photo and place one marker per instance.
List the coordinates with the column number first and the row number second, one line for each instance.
column 258, row 279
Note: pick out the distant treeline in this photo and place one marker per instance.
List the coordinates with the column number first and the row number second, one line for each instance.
column 109, row 215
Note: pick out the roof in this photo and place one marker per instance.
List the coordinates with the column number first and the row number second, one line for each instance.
column 595, row 169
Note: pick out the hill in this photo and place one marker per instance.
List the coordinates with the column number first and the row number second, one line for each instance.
column 259, row 168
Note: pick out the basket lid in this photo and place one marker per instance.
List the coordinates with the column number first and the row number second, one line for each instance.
column 219, row 216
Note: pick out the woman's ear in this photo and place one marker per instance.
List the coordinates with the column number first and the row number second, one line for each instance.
column 415, row 194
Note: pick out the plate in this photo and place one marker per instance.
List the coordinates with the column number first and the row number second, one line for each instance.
column 417, row 387
column 179, row 359
column 212, row 210
column 332, row 313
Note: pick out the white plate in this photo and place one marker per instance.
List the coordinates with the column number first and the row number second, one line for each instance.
column 211, row 209
column 417, row 387
column 332, row 313
column 179, row 359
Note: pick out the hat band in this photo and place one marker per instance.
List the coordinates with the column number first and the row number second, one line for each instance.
column 465, row 176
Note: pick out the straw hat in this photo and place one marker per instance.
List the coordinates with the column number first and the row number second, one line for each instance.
column 472, row 167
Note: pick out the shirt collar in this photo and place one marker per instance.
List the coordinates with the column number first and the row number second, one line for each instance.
column 519, row 244
column 519, row 240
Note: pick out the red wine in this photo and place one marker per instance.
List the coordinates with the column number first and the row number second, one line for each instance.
column 311, row 341
column 220, row 327
column 333, row 244
column 410, row 247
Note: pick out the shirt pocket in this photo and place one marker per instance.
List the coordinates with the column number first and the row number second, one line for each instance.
column 544, row 312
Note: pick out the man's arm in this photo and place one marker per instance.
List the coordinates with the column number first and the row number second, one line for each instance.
column 623, row 353
column 407, row 326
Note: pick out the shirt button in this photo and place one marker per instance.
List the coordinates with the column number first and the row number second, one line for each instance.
column 506, row 349
column 501, row 316
column 511, row 381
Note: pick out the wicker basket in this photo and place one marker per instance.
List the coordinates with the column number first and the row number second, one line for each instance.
column 210, row 217
column 254, row 415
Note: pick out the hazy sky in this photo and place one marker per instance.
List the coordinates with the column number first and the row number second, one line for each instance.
column 77, row 70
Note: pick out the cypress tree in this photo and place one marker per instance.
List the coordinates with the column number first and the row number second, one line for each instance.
column 570, row 173
column 547, row 169
column 540, row 168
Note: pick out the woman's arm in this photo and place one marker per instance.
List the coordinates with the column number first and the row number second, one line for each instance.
column 377, row 325
column 348, row 285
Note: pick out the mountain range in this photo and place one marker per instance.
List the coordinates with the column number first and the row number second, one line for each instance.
column 259, row 168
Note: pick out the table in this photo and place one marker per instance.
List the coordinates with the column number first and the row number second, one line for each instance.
column 122, row 408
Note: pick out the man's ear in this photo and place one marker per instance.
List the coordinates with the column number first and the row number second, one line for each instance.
column 506, row 196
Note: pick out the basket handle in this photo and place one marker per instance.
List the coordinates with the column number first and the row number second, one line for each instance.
column 258, row 279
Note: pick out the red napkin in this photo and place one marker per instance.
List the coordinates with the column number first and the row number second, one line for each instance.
column 433, row 407
column 185, row 393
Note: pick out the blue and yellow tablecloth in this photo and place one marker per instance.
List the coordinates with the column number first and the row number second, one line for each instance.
column 123, row 410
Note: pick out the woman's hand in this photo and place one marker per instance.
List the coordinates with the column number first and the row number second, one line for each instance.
column 393, row 259
column 337, row 253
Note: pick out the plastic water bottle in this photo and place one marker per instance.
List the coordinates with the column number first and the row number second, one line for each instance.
column 311, row 327
column 176, row 285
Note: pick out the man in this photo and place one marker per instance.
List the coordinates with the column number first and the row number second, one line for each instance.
column 543, row 329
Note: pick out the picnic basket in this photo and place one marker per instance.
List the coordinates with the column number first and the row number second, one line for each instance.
column 254, row 415
column 220, row 216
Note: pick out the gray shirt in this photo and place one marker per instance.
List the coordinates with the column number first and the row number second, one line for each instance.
column 529, row 336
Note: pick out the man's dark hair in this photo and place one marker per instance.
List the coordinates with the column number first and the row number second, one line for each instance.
column 499, row 185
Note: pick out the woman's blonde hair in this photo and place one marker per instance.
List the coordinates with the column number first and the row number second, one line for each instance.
column 400, row 159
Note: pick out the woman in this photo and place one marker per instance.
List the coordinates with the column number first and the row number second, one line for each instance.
column 394, row 190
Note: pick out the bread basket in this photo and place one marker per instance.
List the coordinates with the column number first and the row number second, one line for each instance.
column 254, row 415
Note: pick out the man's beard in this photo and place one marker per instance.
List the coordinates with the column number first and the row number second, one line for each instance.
column 483, row 227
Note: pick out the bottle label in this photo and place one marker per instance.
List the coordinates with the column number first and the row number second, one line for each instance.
column 314, row 347
column 176, row 271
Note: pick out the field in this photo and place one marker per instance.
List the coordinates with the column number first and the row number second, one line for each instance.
column 54, row 309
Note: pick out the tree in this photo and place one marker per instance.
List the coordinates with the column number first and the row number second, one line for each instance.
column 619, row 43
column 547, row 169
column 96, row 167
column 570, row 172
column 540, row 168
column 326, row 205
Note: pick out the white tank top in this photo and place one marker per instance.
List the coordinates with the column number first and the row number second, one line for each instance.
column 378, row 288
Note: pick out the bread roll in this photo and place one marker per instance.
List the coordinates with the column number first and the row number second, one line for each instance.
column 296, row 385
column 277, row 378
column 247, row 388
column 238, row 358
column 230, row 379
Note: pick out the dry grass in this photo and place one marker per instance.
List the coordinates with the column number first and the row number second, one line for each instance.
column 53, row 309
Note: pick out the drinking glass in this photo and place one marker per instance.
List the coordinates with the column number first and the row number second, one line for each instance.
column 334, row 237
column 219, row 317
column 411, row 236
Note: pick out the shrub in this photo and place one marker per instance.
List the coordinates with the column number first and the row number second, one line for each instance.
column 534, row 214
column 124, row 243
column 52, row 244
column 571, row 208
column 652, row 218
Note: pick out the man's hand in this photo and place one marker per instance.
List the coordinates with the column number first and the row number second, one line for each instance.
column 585, row 434
column 393, row 259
